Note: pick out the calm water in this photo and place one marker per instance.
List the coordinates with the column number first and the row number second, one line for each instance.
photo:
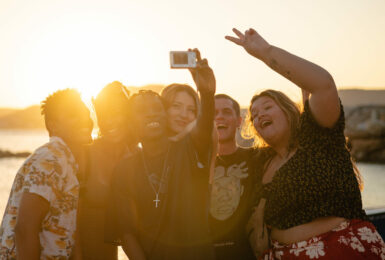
column 20, row 140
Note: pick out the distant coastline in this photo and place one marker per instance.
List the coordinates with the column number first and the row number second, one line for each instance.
column 364, row 113
column 30, row 117
column 8, row 154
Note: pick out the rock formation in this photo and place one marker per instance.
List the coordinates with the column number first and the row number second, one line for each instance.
column 365, row 129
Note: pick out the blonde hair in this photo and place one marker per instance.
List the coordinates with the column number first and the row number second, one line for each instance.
column 169, row 92
column 291, row 110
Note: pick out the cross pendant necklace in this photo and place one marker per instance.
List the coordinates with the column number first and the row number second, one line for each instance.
column 156, row 200
column 163, row 178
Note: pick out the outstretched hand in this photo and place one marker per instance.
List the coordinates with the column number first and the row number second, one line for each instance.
column 251, row 41
column 203, row 75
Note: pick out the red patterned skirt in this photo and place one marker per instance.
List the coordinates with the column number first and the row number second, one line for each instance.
column 352, row 239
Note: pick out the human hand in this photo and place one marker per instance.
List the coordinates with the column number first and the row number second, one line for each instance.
column 257, row 230
column 251, row 41
column 203, row 75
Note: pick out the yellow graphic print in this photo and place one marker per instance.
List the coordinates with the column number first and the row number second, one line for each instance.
column 227, row 190
column 49, row 172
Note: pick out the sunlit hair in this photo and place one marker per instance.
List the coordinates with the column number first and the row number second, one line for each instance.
column 356, row 171
column 143, row 93
column 289, row 108
column 59, row 101
column 112, row 99
column 236, row 106
column 169, row 92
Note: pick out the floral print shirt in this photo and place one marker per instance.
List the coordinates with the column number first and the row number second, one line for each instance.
column 49, row 172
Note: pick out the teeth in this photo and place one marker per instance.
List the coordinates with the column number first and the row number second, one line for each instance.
column 153, row 124
column 221, row 126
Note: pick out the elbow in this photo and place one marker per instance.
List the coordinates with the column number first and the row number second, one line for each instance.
column 328, row 81
column 324, row 84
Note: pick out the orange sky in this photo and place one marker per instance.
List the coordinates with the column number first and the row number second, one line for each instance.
column 50, row 44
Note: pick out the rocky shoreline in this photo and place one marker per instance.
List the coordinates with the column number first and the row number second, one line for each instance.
column 365, row 129
column 7, row 154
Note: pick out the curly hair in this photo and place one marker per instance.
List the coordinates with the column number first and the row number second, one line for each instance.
column 58, row 101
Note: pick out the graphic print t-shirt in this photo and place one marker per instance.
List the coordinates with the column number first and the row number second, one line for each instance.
column 233, row 191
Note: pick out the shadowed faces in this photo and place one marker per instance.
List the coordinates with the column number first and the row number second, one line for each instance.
column 148, row 117
column 111, row 108
column 73, row 124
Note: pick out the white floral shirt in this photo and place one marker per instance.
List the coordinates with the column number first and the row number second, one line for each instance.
column 49, row 172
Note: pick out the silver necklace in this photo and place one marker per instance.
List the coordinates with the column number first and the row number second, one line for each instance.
column 162, row 178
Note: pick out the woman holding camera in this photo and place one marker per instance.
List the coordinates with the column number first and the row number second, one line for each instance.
column 310, row 198
column 182, row 106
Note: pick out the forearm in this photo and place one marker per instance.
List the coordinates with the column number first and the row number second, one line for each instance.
column 202, row 132
column 27, row 243
column 132, row 248
column 301, row 72
column 77, row 251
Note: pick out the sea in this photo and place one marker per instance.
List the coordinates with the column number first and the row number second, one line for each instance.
column 373, row 194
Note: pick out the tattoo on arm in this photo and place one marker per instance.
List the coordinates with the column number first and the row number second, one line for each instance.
column 278, row 68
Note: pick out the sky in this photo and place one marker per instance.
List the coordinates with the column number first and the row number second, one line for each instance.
column 48, row 45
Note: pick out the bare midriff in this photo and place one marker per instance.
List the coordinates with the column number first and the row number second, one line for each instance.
column 306, row 231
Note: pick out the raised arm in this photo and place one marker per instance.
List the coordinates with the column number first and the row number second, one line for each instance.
column 204, row 79
column 323, row 101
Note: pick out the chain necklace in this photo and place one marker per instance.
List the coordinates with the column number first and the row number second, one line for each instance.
column 162, row 178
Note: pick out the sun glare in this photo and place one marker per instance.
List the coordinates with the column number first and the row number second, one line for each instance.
column 72, row 57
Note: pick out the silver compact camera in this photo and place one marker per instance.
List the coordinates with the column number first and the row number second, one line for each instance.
column 183, row 59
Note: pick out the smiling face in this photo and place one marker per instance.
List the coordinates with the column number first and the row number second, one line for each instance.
column 111, row 108
column 73, row 124
column 181, row 112
column 270, row 121
column 148, row 117
column 226, row 119
column 114, row 127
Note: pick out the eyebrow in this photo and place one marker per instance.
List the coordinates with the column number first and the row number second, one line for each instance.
column 267, row 101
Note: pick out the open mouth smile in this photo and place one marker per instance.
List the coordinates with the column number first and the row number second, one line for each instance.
column 153, row 125
column 221, row 126
column 265, row 123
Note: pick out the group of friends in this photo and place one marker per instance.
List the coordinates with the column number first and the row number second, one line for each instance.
column 166, row 179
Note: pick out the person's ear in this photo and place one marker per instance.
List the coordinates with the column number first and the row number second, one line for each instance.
column 239, row 122
column 52, row 127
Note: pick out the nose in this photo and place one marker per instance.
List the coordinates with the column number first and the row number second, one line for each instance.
column 218, row 115
column 152, row 112
column 184, row 112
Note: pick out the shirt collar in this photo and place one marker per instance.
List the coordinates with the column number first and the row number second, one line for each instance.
column 60, row 141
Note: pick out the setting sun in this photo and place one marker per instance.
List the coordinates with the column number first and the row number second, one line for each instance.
column 48, row 46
